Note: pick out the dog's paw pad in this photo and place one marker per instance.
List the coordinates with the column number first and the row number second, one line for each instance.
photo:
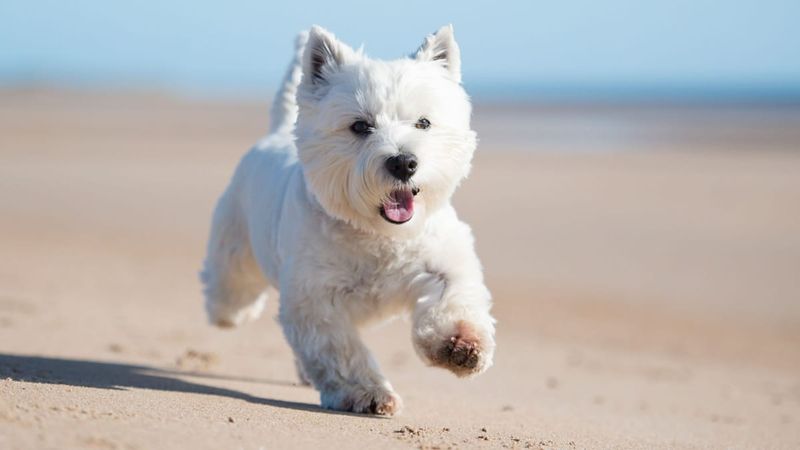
column 460, row 352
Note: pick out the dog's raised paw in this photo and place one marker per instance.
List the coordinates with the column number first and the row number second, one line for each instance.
column 461, row 353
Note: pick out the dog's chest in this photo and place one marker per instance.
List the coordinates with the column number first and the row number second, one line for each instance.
column 369, row 275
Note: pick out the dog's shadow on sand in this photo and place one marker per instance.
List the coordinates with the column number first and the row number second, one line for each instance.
column 118, row 376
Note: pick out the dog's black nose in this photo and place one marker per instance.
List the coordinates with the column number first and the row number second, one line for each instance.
column 402, row 166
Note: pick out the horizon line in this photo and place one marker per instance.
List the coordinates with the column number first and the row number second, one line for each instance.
column 483, row 91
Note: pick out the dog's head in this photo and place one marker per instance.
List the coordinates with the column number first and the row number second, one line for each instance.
column 383, row 144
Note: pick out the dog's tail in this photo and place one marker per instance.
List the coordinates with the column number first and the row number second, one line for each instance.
column 284, row 107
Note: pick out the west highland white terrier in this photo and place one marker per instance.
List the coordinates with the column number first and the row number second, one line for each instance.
column 345, row 208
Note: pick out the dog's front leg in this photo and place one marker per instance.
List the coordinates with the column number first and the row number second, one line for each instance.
column 452, row 324
column 334, row 359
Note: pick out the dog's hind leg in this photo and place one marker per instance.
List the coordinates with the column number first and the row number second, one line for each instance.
column 234, row 284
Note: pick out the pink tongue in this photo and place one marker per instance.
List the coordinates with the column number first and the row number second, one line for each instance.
column 400, row 206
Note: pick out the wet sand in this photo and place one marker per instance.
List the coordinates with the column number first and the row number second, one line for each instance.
column 647, row 292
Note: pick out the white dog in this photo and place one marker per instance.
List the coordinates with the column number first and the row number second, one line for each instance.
column 345, row 208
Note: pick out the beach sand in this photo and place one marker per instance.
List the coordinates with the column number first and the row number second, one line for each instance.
column 645, row 265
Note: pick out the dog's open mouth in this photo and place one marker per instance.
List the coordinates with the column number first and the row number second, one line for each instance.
column 399, row 207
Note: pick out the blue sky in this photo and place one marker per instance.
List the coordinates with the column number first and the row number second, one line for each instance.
column 540, row 48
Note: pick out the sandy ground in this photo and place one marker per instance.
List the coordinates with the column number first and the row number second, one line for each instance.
column 647, row 298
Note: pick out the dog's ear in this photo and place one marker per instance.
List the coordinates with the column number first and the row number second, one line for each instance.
column 323, row 55
column 442, row 47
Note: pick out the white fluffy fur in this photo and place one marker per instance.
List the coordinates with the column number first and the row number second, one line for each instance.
column 302, row 214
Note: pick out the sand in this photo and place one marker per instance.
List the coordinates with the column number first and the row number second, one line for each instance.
column 647, row 296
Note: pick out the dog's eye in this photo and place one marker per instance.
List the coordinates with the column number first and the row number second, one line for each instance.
column 361, row 128
column 422, row 124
